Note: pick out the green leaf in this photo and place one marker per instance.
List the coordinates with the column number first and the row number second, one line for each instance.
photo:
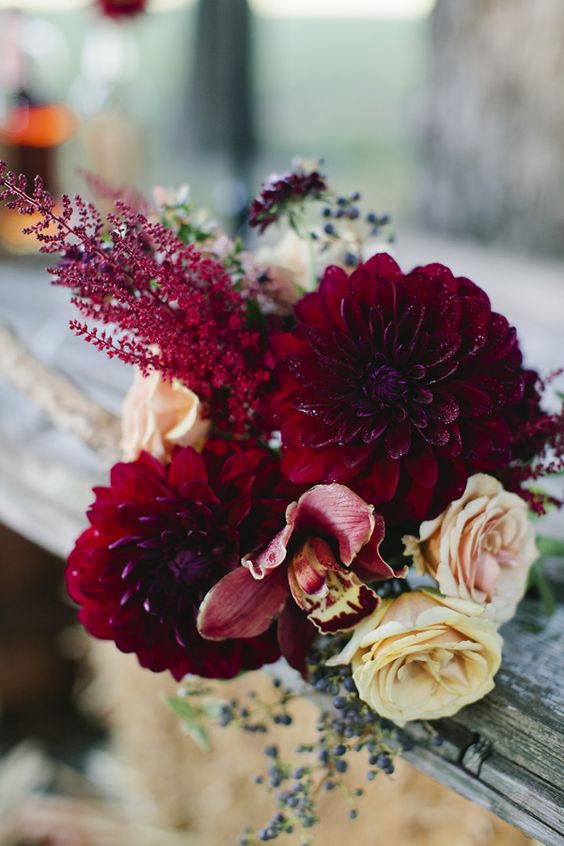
column 192, row 720
column 538, row 580
column 550, row 547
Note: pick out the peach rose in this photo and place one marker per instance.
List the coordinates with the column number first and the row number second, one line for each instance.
column 157, row 415
column 423, row 656
column 480, row 548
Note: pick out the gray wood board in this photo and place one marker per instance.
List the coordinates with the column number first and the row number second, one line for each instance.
column 506, row 752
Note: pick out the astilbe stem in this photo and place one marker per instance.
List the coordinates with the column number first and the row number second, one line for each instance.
column 169, row 307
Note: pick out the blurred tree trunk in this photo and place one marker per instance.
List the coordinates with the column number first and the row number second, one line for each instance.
column 222, row 114
column 494, row 121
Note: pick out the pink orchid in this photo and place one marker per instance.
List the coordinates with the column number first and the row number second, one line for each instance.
column 319, row 560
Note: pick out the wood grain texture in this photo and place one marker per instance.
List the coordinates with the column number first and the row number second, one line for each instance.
column 507, row 751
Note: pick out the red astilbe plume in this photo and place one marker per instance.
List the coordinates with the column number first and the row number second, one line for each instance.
column 539, row 439
column 169, row 307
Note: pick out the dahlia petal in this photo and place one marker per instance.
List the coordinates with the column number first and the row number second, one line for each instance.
column 384, row 266
column 398, row 440
column 469, row 289
column 436, row 434
column 309, row 310
column 442, row 347
column 383, row 479
column 418, row 417
column 373, row 430
column 362, row 285
column 186, row 465
column 132, row 481
column 239, row 606
column 333, row 287
column 306, row 466
column 285, row 343
column 471, row 399
column 444, row 408
column 423, row 468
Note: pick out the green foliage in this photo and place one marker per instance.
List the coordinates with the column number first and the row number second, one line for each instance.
column 539, row 582
column 550, row 547
column 195, row 718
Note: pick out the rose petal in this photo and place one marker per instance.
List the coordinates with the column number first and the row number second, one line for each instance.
column 240, row 606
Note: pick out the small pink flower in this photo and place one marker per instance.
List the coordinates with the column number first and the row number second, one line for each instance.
column 318, row 562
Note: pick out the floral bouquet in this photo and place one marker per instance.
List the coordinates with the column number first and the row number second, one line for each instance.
column 308, row 426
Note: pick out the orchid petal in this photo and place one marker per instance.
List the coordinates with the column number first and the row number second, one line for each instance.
column 336, row 511
column 341, row 605
column 240, row 606
column 295, row 634
column 275, row 553
column 369, row 564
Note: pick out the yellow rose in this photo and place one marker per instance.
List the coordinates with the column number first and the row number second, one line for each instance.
column 423, row 656
column 157, row 415
column 480, row 548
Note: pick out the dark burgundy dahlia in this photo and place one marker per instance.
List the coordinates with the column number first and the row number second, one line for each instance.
column 160, row 538
column 396, row 385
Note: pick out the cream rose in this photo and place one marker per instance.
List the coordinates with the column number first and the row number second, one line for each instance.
column 157, row 415
column 423, row 656
column 480, row 548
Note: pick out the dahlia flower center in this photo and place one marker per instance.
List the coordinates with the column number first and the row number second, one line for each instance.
column 385, row 385
column 189, row 566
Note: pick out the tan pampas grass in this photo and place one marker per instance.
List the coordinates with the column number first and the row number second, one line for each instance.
column 210, row 795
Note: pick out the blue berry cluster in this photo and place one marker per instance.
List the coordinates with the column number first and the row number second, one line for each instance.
column 346, row 726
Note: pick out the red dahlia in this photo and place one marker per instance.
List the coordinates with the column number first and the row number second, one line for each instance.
column 396, row 385
column 160, row 538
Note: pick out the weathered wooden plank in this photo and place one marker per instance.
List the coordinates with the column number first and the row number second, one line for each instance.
column 507, row 751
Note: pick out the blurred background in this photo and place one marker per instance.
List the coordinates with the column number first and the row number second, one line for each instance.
column 447, row 115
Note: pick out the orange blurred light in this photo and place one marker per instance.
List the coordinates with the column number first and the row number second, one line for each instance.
column 38, row 126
